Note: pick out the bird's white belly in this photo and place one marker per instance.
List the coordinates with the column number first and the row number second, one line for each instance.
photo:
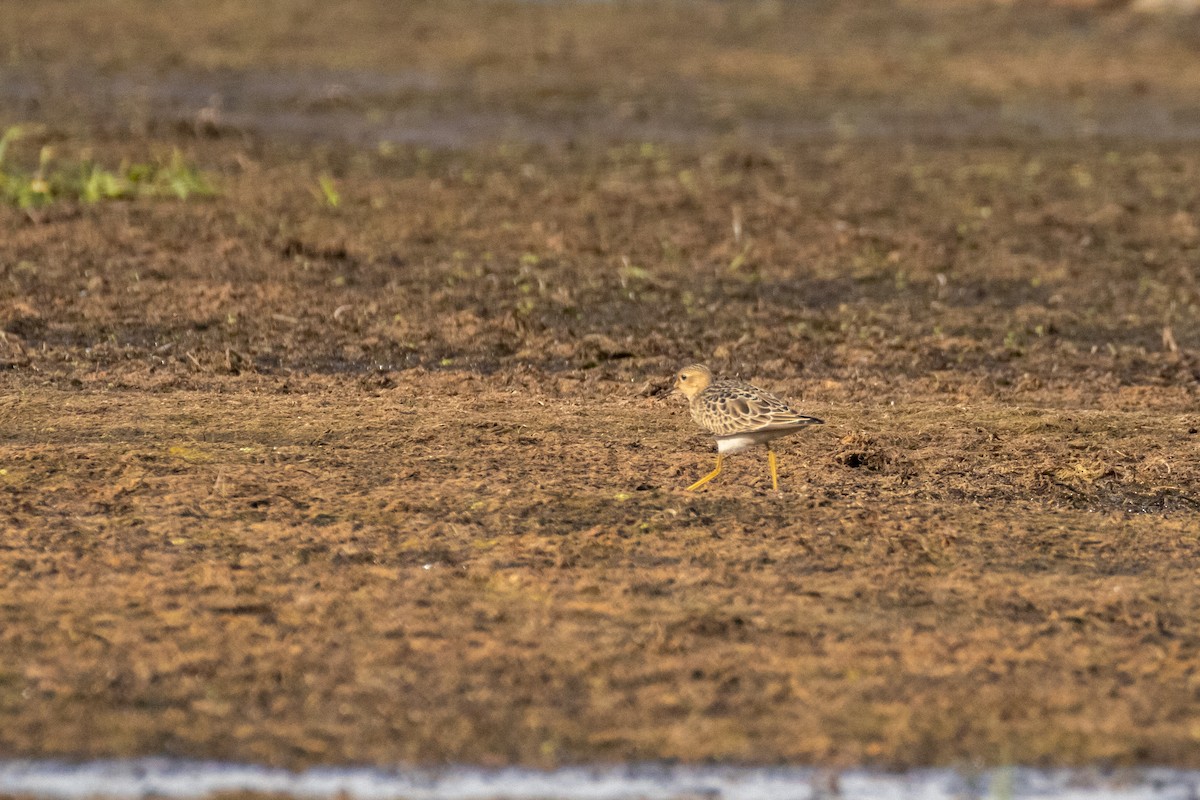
column 736, row 442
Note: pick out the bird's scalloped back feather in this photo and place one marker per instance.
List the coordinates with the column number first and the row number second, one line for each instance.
column 727, row 407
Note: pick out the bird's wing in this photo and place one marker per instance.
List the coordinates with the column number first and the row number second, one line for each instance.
column 737, row 408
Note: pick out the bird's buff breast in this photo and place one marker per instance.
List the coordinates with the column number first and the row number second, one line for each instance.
column 705, row 418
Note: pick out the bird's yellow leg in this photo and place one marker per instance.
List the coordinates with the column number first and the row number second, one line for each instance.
column 774, row 469
column 707, row 477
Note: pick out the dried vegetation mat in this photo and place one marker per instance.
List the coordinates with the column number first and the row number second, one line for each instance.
column 398, row 479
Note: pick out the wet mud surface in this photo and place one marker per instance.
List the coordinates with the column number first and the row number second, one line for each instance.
column 400, row 479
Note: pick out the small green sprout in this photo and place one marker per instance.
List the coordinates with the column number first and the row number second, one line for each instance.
column 329, row 191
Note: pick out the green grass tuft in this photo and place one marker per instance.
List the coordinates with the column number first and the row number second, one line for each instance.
column 86, row 181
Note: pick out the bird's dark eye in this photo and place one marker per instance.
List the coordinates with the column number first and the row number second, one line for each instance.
column 683, row 377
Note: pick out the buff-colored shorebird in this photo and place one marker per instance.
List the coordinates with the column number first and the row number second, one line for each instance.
column 739, row 415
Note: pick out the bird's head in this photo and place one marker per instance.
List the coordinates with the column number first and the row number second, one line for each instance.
column 692, row 380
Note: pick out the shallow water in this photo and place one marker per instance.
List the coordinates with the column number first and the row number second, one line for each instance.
column 159, row 777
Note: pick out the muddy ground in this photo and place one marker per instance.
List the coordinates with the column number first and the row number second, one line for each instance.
column 400, row 479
